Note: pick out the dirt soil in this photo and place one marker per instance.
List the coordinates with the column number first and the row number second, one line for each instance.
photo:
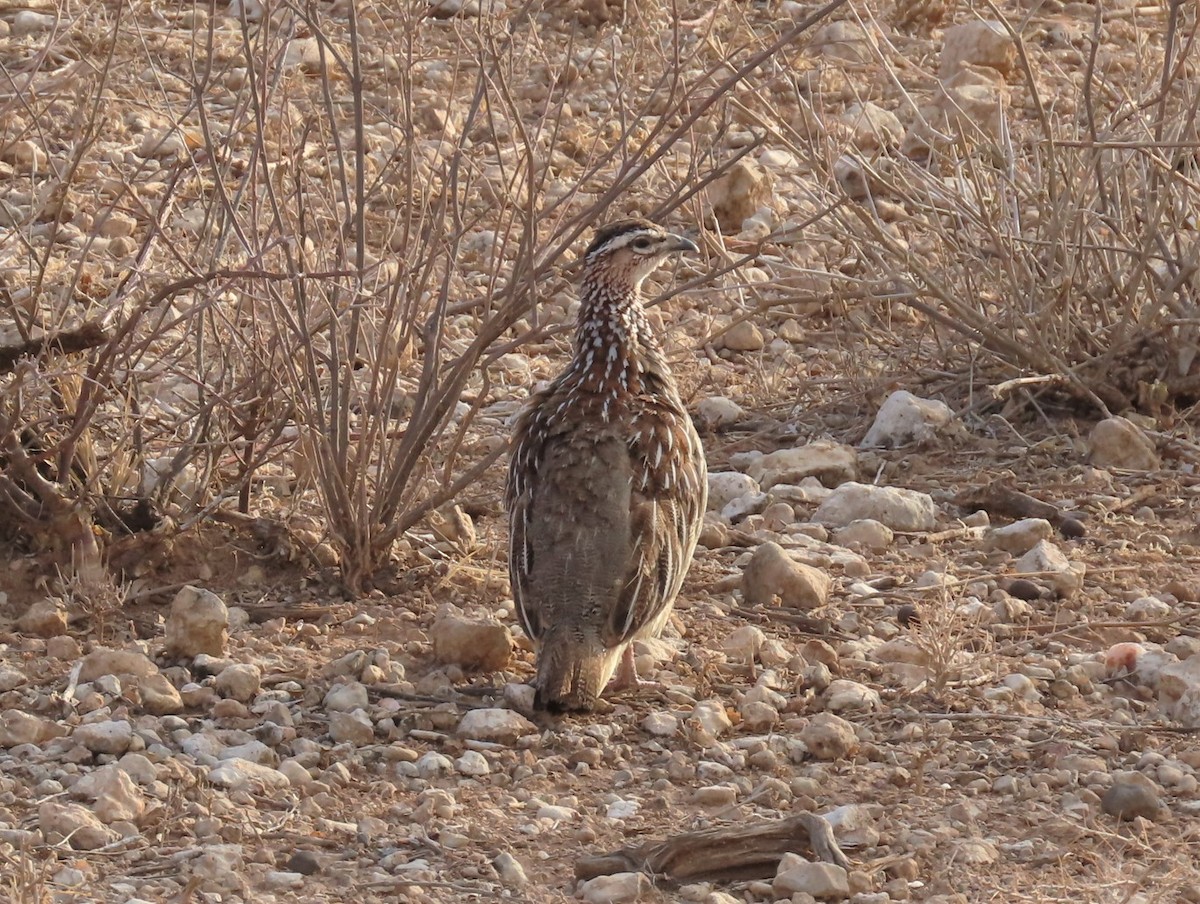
column 989, row 723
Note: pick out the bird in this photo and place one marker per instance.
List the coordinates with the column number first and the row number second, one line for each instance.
column 607, row 483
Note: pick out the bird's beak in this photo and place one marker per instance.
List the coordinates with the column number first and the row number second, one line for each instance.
column 680, row 243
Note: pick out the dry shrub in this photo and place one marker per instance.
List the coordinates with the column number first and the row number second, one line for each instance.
column 346, row 215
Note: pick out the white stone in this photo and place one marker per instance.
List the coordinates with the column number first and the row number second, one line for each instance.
column 660, row 724
column 18, row 728
column 501, row 725
column 28, row 22
column 865, row 532
column 843, row 40
column 829, row 737
column 757, row 716
column 103, row 661
column 854, row 825
column 510, row 871
column 197, row 623
column 718, row 411
column 74, row 822
column 739, row 193
column 1179, row 691
column 45, row 618
column 113, row 794
column 240, row 681
column 725, row 486
column 978, row 43
column 1147, row 608
column 556, row 813
column 899, row 509
column 472, row 763
column 795, row 875
column 433, row 764
column 772, row 573
column 711, row 716
column 616, row 888
column 872, row 128
column 483, row 645
column 743, row 336
column 159, row 697
column 1047, row 563
column 346, row 697
column 112, row 736
column 243, row 775
column 750, row 504
column 1118, row 443
column 622, row 809
column 844, row 695
column 904, row 419
column 743, row 644
column 1019, row 537
column 351, row 728
column 831, row 463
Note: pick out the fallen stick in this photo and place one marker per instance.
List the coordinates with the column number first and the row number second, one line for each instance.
column 725, row 853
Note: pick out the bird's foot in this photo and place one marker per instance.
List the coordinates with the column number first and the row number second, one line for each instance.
column 626, row 678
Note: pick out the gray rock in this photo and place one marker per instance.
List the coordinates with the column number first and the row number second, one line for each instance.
column 772, row 573
column 346, row 697
column 829, row 737
column 18, row 728
column 904, row 419
column 241, row 681
column 1019, row 537
column 831, row 463
column 74, row 822
column 1047, row 562
column 113, row 794
column 501, row 725
column 243, row 775
column 474, row 645
column 198, row 623
column 1131, row 795
column 617, row 888
column 726, row 486
column 795, row 875
column 897, row 508
column 112, row 736
column 352, row 728
column 1118, row 443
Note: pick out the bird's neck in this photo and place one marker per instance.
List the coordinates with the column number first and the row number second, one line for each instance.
column 614, row 339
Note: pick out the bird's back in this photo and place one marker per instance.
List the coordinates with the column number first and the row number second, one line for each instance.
column 605, row 506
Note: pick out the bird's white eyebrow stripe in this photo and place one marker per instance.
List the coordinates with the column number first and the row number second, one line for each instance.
column 623, row 240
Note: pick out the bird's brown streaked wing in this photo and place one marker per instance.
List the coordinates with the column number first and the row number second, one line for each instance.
column 665, row 525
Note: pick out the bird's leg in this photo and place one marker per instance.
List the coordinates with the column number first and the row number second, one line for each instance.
column 626, row 677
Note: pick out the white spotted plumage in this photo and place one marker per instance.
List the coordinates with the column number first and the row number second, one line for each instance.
column 618, row 388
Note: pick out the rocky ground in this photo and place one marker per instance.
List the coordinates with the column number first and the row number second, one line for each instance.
column 963, row 625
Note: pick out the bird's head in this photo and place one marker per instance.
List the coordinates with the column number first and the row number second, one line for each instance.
column 628, row 251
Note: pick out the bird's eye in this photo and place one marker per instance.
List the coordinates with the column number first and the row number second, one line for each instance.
column 641, row 244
